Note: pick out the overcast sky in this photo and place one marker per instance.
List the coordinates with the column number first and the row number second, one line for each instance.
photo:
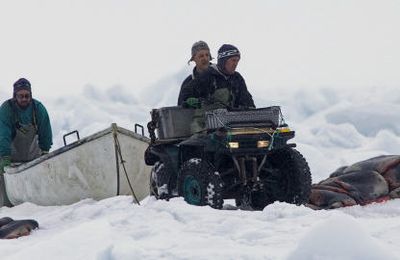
column 61, row 46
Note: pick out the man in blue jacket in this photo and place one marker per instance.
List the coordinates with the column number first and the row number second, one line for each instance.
column 25, row 130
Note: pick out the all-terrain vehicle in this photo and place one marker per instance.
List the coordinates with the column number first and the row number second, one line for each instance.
column 242, row 155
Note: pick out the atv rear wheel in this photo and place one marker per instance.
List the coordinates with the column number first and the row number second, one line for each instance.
column 153, row 181
column 200, row 184
column 158, row 177
column 287, row 177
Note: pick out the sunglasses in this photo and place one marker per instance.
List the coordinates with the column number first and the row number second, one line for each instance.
column 22, row 96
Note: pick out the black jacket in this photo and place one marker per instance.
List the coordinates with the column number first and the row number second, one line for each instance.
column 205, row 85
column 186, row 90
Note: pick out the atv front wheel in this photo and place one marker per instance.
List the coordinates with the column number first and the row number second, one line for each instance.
column 200, row 184
column 287, row 177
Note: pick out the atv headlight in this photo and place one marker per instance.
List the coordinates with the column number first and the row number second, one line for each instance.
column 284, row 130
column 262, row 144
column 233, row 145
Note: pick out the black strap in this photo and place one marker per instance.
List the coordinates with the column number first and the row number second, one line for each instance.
column 34, row 119
column 14, row 113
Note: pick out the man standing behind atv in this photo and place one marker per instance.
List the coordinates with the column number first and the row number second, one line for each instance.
column 201, row 56
column 220, row 86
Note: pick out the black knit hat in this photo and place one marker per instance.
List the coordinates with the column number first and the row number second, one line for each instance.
column 21, row 84
column 198, row 46
column 225, row 52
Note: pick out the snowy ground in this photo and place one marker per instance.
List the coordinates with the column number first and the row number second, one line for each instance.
column 333, row 127
column 116, row 229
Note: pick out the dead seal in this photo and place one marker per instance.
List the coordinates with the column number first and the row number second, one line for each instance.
column 10, row 228
column 374, row 180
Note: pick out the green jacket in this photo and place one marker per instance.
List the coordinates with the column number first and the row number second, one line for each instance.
column 8, row 124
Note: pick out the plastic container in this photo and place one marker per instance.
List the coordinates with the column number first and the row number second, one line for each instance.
column 173, row 122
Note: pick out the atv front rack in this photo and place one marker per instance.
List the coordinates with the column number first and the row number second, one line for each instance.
column 222, row 118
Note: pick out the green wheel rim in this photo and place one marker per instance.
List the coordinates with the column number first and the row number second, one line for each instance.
column 192, row 190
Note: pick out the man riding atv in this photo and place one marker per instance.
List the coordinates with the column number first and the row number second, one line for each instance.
column 230, row 150
column 220, row 86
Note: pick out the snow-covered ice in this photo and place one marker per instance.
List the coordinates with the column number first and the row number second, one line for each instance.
column 117, row 229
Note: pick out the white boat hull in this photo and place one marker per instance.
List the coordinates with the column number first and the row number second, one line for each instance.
column 85, row 169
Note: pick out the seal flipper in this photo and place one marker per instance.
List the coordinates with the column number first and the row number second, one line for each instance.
column 5, row 221
column 18, row 228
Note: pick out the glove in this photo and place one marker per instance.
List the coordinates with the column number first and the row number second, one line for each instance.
column 193, row 102
column 4, row 162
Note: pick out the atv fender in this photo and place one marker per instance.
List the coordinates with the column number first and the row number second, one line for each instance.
column 155, row 153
